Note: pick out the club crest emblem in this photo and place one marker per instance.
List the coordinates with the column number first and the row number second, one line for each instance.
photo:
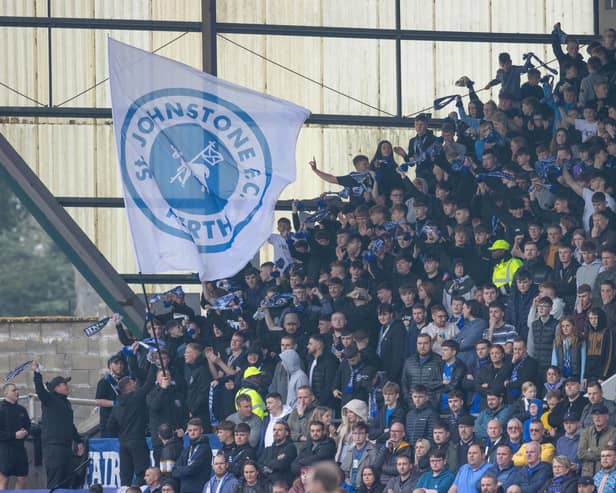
column 196, row 166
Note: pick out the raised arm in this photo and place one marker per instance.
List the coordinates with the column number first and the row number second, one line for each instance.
column 567, row 179
column 269, row 321
column 558, row 51
column 321, row 174
column 42, row 393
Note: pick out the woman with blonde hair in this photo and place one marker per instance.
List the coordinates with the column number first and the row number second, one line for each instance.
column 519, row 408
column 324, row 415
column 564, row 480
column 569, row 352
column 422, row 461
column 353, row 412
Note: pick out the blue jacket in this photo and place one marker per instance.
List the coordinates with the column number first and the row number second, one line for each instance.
column 470, row 334
column 440, row 483
column 569, row 446
column 194, row 466
column 506, row 477
column 503, row 413
column 533, row 480
column 229, row 484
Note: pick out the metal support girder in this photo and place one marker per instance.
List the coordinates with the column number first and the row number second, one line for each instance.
column 91, row 23
column 118, row 202
column 161, row 278
column 314, row 119
column 70, row 238
column 208, row 36
column 281, row 30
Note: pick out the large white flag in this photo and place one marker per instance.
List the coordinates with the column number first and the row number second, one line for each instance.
column 202, row 162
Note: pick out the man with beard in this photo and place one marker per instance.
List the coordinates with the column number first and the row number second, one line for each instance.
column 193, row 467
column 276, row 460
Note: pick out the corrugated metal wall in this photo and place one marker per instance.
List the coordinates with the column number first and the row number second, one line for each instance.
column 78, row 158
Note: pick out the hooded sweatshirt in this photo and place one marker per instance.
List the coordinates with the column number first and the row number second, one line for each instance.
column 539, row 404
column 343, row 439
column 270, row 421
column 297, row 377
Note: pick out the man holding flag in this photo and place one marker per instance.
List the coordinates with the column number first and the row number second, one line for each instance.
column 58, row 429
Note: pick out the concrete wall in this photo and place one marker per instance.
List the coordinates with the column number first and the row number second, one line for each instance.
column 62, row 349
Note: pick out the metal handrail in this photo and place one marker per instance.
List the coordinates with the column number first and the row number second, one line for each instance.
column 73, row 400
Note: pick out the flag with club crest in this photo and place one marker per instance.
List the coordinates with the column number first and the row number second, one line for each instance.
column 202, row 162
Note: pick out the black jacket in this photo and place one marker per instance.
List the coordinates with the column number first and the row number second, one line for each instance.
column 194, row 466
column 276, row 461
column 494, row 377
column 379, row 427
column 564, row 60
column 313, row 452
column 522, row 371
column 393, row 346
column 169, row 455
column 564, row 278
column 129, row 417
column 197, row 397
column 13, row 418
column 107, row 388
column 543, row 338
column 361, row 317
column 518, row 306
column 57, row 420
column 239, row 456
column 361, row 384
column 555, row 418
column 166, row 406
column 568, row 485
column 419, row 423
column 458, row 374
column 428, row 373
column 538, row 268
column 261, row 486
column 323, row 377
column 385, row 460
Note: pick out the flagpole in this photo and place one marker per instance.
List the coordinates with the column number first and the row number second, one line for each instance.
column 150, row 318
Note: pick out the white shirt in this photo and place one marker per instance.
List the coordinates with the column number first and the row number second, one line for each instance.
column 281, row 251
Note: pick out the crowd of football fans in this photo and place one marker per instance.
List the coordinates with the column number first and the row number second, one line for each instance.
column 444, row 333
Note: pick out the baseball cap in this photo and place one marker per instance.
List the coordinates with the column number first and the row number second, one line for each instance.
column 599, row 409
column 351, row 351
column 115, row 358
column 586, row 481
column 55, row 381
column 571, row 417
column 467, row 420
column 251, row 371
column 254, row 349
column 496, row 390
column 500, row 245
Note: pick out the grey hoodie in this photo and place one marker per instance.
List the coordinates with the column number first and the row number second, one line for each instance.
column 587, row 273
column 292, row 363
